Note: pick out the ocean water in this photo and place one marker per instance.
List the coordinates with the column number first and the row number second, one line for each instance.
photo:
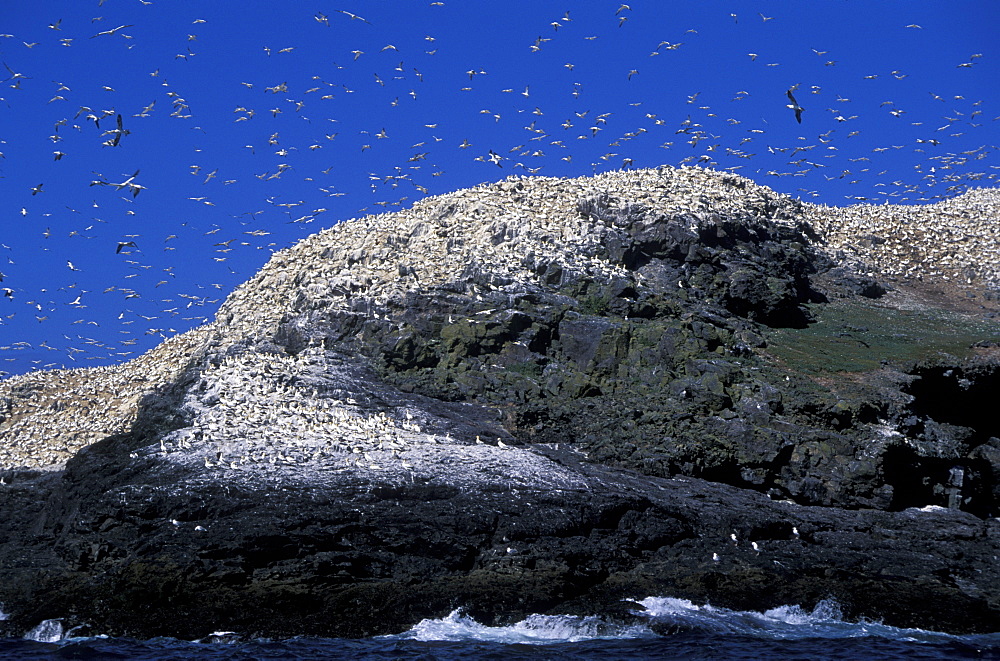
column 673, row 629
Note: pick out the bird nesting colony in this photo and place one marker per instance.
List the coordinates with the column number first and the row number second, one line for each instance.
column 258, row 413
column 957, row 240
column 46, row 417
column 498, row 226
column 256, row 408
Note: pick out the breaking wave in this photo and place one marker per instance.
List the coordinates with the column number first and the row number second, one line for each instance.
column 662, row 628
column 667, row 616
column 535, row 629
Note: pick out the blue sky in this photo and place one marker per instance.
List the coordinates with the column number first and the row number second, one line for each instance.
column 253, row 124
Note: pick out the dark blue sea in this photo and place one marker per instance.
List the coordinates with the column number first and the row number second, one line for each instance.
column 682, row 631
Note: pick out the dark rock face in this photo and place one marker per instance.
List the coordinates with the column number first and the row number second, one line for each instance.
column 357, row 558
column 655, row 445
column 664, row 370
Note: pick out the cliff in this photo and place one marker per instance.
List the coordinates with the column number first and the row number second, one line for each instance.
column 537, row 396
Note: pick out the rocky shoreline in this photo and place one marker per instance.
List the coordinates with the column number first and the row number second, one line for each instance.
column 537, row 396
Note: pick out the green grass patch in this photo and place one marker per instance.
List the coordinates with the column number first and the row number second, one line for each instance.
column 855, row 336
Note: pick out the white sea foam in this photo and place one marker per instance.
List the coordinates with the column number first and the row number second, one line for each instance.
column 658, row 616
column 791, row 621
column 535, row 629
column 826, row 611
column 49, row 631
column 221, row 637
column 666, row 615
column 825, row 620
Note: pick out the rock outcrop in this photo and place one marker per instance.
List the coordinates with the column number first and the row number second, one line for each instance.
column 535, row 396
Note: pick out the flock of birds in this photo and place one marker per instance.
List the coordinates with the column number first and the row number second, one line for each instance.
column 293, row 129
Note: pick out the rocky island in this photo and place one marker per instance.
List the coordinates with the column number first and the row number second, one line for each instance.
column 537, row 396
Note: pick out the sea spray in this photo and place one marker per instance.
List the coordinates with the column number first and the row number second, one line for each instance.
column 533, row 630
column 785, row 632
column 49, row 631
column 669, row 616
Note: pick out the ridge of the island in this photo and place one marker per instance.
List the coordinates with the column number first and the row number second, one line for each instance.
column 537, row 396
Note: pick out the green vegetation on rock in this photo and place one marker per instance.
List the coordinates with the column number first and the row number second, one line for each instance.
column 857, row 335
